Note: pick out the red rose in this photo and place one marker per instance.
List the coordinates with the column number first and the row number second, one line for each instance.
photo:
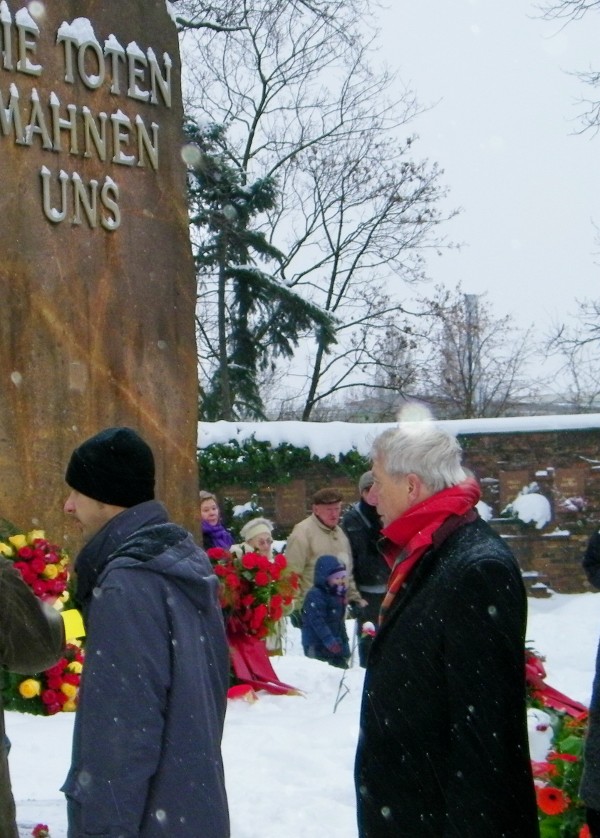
column 49, row 697
column 38, row 565
column 53, row 709
column 57, row 668
column 263, row 563
column 275, row 572
column 280, row 560
column 25, row 552
column 220, row 570
column 247, row 600
column 262, row 578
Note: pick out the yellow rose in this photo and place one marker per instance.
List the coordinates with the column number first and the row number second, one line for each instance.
column 30, row 688
column 6, row 549
column 69, row 706
column 50, row 571
column 75, row 667
column 70, row 690
column 31, row 536
column 18, row 541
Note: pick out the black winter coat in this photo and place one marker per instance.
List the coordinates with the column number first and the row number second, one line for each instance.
column 443, row 749
column 362, row 525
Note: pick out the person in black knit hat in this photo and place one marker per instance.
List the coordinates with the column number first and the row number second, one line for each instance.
column 146, row 756
column 115, row 467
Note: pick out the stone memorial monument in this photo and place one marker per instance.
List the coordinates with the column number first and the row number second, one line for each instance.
column 97, row 288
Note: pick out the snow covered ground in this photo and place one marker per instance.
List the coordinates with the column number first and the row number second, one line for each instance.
column 289, row 759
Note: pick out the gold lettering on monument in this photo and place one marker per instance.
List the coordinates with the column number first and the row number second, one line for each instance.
column 119, row 138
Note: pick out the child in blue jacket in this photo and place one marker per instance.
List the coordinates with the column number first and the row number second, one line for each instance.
column 324, row 634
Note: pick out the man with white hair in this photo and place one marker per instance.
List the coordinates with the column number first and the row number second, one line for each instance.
column 443, row 747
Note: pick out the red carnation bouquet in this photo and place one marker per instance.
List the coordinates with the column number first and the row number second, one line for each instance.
column 255, row 592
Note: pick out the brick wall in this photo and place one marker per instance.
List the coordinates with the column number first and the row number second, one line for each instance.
column 565, row 464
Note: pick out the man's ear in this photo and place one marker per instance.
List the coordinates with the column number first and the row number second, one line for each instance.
column 415, row 488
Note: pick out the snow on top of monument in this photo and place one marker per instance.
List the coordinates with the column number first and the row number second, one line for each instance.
column 335, row 438
column 23, row 18
column 114, row 45
column 80, row 30
column 134, row 49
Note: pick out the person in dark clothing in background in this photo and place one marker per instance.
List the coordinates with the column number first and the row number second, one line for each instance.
column 591, row 560
column 324, row 635
column 146, row 759
column 362, row 525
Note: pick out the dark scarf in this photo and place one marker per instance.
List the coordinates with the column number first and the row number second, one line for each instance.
column 425, row 524
column 99, row 550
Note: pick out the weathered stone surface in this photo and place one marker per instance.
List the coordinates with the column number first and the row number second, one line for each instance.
column 97, row 291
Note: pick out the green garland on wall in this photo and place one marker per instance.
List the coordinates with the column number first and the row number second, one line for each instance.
column 254, row 464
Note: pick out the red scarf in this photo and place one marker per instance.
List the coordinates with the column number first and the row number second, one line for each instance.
column 410, row 535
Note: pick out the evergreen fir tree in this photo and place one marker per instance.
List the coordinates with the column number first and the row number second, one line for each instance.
column 258, row 317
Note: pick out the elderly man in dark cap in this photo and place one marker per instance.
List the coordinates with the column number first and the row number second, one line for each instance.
column 317, row 535
column 146, row 758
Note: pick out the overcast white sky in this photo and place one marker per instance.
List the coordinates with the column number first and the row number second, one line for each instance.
column 503, row 131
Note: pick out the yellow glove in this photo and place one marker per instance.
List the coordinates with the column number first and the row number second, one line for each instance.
column 73, row 624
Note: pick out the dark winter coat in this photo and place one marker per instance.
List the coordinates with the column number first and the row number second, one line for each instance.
column 362, row 525
column 146, row 757
column 323, row 612
column 443, row 749
column 591, row 560
column 590, row 781
column 31, row 640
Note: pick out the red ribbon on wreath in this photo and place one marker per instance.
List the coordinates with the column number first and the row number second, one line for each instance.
column 251, row 664
column 535, row 675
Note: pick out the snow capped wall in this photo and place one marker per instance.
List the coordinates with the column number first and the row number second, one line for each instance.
column 335, row 438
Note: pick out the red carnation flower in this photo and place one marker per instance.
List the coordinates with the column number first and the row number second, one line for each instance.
column 232, row 580
column 249, row 561
column 263, row 563
column 217, row 553
column 262, row 578
column 552, row 801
